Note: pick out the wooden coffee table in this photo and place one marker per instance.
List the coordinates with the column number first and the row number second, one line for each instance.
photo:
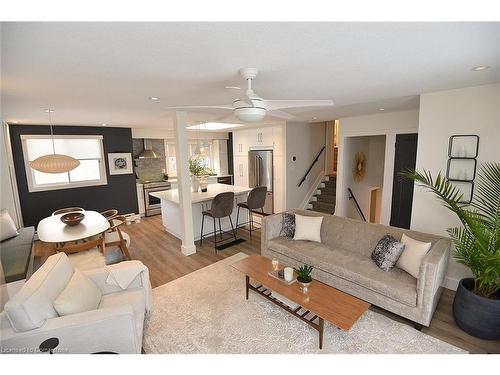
column 321, row 302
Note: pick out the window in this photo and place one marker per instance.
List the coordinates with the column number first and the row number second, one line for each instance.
column 205, row 150
column 87, row 149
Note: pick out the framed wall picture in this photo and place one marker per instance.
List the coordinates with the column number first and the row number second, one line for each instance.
column 120, row 163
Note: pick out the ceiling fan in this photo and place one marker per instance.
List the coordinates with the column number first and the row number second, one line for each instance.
column 252, row 108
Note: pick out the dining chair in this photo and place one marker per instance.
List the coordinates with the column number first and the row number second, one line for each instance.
column 67, row 209
column 110, row 214
column 98, row 242
column 114, row 237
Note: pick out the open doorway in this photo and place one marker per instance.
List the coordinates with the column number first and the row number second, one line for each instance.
column 363, row 165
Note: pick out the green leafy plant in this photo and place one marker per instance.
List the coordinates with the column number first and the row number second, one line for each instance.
column 197, row 168
column 477, row 241
column 304, row 273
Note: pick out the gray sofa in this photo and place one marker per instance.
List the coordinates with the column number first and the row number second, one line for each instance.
column 343, row 260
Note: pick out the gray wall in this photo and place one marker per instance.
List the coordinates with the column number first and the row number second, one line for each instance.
column 303, row 140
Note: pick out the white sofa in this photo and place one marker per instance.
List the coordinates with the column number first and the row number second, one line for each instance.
column 29, row 318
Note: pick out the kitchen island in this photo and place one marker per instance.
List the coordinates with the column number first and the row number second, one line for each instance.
column 171, row 211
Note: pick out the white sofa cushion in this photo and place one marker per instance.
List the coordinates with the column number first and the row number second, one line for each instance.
column 33, row 304
column 413, row 255
column 80, row 295
column 8, row 228
column 308, row 228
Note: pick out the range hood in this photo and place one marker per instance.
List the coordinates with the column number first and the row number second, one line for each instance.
column 148, row 152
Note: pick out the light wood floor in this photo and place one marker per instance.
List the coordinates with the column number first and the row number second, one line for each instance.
column 160, row 252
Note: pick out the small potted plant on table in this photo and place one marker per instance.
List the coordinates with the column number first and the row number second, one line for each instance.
column 304, row 276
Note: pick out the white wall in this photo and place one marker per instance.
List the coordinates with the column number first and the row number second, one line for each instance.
column 473, row 110
column 374, row 149
column 304, row 141
column 388, row 124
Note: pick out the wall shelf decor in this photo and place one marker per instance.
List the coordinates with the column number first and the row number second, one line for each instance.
column 462, row 163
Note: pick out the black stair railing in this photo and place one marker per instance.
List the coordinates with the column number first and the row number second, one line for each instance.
column 351, row 196
column 312, row 165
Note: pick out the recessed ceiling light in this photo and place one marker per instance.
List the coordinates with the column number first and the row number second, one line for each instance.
column 154, row 98
column 104, row 124
column 49, row 110
column 314, row 118
column 381, row 109
column 213, row 126
column 480, row 67
column 233, row 88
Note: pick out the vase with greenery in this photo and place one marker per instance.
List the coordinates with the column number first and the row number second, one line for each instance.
column 197, row 170
column 477, row 246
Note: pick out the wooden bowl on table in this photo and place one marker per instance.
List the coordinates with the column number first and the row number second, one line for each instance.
column 72, row 218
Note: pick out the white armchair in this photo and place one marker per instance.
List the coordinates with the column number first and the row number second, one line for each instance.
column 29, row 318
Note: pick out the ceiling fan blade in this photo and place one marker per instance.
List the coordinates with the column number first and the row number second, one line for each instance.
column 281, row 114
column 227, row 116
column 200, row 107
column 281, row 104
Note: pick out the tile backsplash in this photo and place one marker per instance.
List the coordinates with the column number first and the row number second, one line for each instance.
column 149, row 169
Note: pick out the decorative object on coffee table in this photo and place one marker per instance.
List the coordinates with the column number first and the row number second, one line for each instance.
column 304, row 276
column 476, row 306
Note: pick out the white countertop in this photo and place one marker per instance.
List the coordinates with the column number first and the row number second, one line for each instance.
column 174, row 179
column 213, row 189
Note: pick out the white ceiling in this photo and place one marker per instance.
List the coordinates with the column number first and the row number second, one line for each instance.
column 93, row 73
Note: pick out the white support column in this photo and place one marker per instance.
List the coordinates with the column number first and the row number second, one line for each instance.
column 184, row 186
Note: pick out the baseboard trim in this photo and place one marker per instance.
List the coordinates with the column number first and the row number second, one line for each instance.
column 450, row 283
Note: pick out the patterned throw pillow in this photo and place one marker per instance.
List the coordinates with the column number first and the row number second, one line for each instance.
column 287, row 225
column 387, row 252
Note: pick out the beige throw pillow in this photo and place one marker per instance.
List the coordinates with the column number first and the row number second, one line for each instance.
column 308, row 228
column 8, row 228
column 413, row 255
column 81, row 294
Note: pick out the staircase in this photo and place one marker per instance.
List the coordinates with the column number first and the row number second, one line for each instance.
column 324, row 199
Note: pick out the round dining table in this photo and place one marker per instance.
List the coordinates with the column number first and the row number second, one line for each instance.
column 53, row 230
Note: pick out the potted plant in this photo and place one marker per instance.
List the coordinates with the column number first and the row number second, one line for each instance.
column 476, row 306
column 304, row 276
column 197, row 170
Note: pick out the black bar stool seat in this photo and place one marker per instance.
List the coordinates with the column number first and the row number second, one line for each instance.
column 222, row 206
column 256, row 200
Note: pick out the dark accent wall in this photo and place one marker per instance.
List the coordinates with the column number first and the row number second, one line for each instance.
column 120, row 191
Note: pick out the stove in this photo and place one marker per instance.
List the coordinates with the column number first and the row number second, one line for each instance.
column 153, row 204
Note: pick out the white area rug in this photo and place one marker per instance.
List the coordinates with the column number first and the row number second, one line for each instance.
column 206, row 312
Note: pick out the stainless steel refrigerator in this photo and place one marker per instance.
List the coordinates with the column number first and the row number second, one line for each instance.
column 260, row 173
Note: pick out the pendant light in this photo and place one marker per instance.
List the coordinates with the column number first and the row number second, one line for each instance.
column 54, row 163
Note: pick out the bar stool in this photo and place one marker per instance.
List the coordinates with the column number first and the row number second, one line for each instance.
column 256, row 199
column 222, row 206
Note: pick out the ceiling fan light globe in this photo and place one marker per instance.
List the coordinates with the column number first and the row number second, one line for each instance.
column 250, row 114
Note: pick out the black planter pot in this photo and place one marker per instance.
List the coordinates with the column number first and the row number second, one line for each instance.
column 476, row 315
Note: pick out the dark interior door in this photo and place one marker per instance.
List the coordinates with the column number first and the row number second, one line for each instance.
column 402, row 189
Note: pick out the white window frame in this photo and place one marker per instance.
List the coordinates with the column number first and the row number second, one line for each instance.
column 62, row 185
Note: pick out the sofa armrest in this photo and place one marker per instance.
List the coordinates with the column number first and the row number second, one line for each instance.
column 433, row 271
column 109, row 329
column 271, row 228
